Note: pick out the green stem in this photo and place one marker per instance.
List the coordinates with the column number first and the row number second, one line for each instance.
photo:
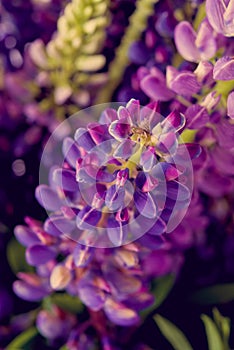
column 137, row 24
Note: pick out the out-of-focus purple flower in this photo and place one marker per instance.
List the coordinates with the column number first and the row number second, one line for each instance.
column 193, row 46
column 220, row 15
column 224, row 69
column 230, row 105
column 55, row 323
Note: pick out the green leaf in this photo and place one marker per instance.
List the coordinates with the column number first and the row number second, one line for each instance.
column 65, row 302
column 224, row 326
column 221, row 293
column 23, row 340
column 16, row 257
column 213, row 336
column 161, row 289
column 173, row 334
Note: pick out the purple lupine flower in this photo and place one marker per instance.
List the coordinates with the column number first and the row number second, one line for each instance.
column 193, row 46
column 220, row 16
column 224, row 69
column 119, row 176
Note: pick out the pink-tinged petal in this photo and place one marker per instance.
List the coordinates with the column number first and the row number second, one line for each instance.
column 60, row 277
column 90, row 295
column 230, row 105
column 156, row 89
column 175, row 121
column 124, row 114
column 177, row 191
column 65, row 179
column 145, row 204
column 120, row 282
column 145, row 182
column 39, row 254
column 211, row 101
column 88, row 218
column 149, row 116
column 119, row 314
column 71, row 151
column 120, row 129
column 185, row 37
column 26, row 236
column 133, row 106
column 29, row 292
column 205, row 41
column 59, row 225
column 125, row 149
column 229, row 19
column 204, row 72
column 224, row 69
column 215, row 10
column 196, row 116
column 182, row 83
column 99, row 133
column 108, row 116
column 84, row 139
column 48, row 198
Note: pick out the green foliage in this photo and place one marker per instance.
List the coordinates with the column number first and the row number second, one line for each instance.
column 73, row 53
column 161, row 288
column 24, row 340
column 220, row 293
column 172, row 334
column 65, row 302
column 16, row 257
column 217, row 332
column 137, row 24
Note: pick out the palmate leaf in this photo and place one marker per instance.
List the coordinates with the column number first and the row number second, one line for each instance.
column 220, row 293
column 22, row 342
column 173, row 334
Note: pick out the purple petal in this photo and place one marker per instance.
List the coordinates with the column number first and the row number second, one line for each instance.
column 117, row 232
column 139, row 301
column 29, row 292
column 71, row 151
column 167, row 143
column 39, row 254
column 196, row 116
column 205, row 41
column 90, row 295
column 177, row 191
column 108, row 116
column 120, row 129
column 26, row 236
column 215, row 13
column 185, row 38
column 158, row 228
column 182, row 83
column 228, row 19
column 58, row 225
column 151, row 241
column 121, row 283
column 125, row 149
column 48, row 198
column 120, row 314
column 84, row 139
column 114, row 199
column 194, row 150
column 148, row 159
column 133, row 106
column 230, row 105
column 145, row 204
column 145, row 182
column 65, row 179
column 224, row 69
column 82, row 255
column 99, row 133
column 174, row 121
column 204, row 72
column 88, row 218
column 156, row 89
